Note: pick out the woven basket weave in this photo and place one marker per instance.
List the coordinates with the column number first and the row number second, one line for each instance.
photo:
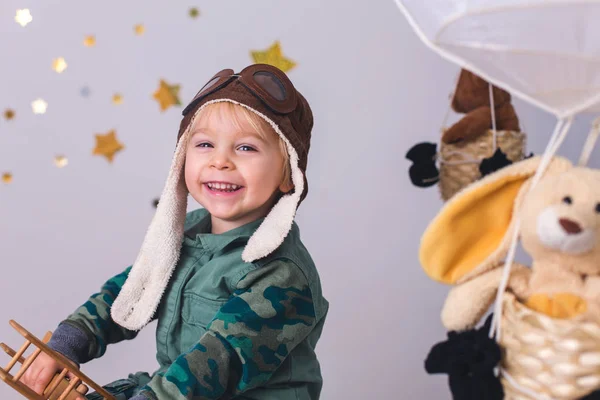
column 558, row 358
column 455, row 177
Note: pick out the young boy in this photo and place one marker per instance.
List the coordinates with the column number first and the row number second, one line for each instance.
column 236, row 294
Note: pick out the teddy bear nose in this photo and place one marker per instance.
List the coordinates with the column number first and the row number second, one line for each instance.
column 571, row 227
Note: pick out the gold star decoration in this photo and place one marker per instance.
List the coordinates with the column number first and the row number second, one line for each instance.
column 89, row 41
column 9, row 114
column 23, row 17
column 167, row 95
column 117, row 99
column 273, row 56
column 39, row 106
column 7, row 177
column 61, row 161
column 107, row 145
column 59, row 64
column 139, row 29
column 194, row 12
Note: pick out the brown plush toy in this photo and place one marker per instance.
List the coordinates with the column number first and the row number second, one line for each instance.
column 472, row 98
column 550, row 321
column 470, row 149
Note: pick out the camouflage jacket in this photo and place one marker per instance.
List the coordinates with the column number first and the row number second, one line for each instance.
column 226, row 328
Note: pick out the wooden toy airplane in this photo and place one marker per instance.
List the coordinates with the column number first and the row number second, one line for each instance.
column 60, row 387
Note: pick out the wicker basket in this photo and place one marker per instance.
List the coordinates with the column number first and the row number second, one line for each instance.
column 553, row 357
column 454, row 177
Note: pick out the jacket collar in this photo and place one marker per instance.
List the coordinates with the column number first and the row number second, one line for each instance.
column 197, row 232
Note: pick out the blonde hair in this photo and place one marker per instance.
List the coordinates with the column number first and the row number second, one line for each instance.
column 262, row 127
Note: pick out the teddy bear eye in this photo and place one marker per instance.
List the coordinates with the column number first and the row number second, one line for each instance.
column 568, row 200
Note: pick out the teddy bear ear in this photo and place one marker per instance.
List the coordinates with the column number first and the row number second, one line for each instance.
column 472, row 232
column 456, row 96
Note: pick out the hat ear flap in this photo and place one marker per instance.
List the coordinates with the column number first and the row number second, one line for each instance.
column 472, row 233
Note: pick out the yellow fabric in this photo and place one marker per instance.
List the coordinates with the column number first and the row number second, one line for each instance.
column 469, row 229
column 560, row 305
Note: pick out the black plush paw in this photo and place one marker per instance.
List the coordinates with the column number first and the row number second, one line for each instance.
column 469, row 359
column 423, row 172
column 493, row 163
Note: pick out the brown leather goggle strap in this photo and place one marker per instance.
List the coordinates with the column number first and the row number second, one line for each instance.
column 247, row 78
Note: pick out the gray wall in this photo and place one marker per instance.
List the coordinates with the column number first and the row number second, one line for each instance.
column 375, row 91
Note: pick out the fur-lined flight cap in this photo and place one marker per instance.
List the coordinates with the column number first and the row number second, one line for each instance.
column 266, row 91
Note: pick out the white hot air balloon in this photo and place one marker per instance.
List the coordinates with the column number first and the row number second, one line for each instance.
column 546, row 52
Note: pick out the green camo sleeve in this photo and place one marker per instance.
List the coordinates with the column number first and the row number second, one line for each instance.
column 267, row 316
column 93, row 318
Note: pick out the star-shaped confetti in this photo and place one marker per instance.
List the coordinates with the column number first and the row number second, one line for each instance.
column 61, row 161
column 39, row 106
column 9, row 114
column 23, row 17
column 107, row 145
column 139, row 29
column 273, row 56
column 167, row 95
column 89, row 41
column 7, row 177
column 194, row 12
column 59, row 64
column 117, row 99
column 85, row 91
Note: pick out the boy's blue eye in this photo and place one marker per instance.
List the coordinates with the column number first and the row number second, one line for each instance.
column 248, row 148
column 203, row 144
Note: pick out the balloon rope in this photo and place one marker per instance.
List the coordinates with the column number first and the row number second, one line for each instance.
column 558, row 136
column 590, row 143
column 493, row 110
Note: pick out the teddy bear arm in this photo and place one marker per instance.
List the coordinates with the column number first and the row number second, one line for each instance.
column 519, row 280
column 470, row 126
column 592, row 288
column 468, row 302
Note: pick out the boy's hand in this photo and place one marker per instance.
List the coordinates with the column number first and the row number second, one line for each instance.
column 41, row 371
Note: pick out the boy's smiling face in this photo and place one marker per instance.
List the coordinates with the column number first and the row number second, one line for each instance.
column 231, row 169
